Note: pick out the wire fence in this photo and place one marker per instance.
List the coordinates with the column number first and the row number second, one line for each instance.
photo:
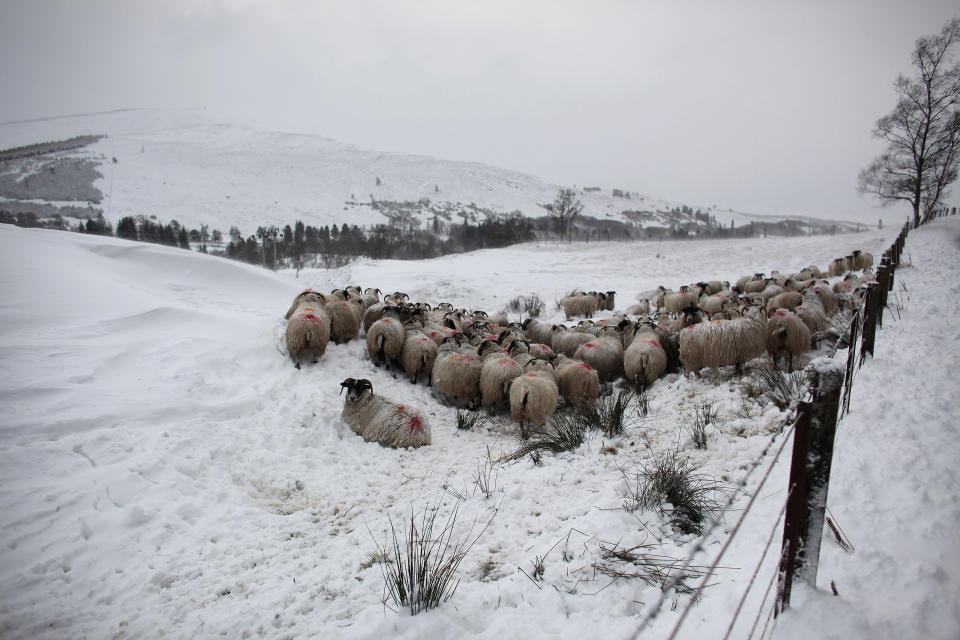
column 858, row 337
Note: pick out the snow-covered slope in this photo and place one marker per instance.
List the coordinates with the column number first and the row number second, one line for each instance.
column 165, row 471
column 182, row 165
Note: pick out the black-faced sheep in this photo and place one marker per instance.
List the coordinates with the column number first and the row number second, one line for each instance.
column 787, row 335
column 566, row 341
column 379, row 420
column 580, row 304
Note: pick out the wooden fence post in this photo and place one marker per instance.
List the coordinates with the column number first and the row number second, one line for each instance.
column 883, row 282
column 869, row 320
column 809, row 480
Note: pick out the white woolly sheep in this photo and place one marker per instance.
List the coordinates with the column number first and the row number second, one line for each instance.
column 418, row 355
column 533, row 399
column 605, row 354
column 722, row 342
column 862, row 260
column 385, row 338
column 456, row 378
column 645, row 360
column 812, row 314
column 379, row 420
column 678, row 301
column 496, row 375
column 787, row 335
column 566, row 341
column 308, row 329
column 785, row 300
column 580, row 304
column 316, row 299
column 578, row 382
column 346, row 317
column 827, row 298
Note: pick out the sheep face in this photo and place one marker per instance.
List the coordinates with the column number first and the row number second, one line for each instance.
column 356, row 389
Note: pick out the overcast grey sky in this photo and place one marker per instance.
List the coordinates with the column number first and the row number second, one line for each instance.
column 761, row 105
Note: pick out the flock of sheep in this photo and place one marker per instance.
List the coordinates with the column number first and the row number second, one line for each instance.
column 473, row 360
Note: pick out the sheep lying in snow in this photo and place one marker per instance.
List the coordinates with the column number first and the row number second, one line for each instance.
column 308, row 327
column 379, row 420
column 533, row 399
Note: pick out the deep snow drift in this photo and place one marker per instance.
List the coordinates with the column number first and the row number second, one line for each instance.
column 167, row 472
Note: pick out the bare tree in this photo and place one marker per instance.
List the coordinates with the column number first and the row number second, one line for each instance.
column 564, row 210
column 922, row 132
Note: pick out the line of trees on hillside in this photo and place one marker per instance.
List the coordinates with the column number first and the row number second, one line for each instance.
column 332, row 245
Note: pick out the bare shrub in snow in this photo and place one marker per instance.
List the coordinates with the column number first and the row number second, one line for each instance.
column 671, row 486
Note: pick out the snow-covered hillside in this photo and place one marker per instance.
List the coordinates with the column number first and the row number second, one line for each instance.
column 182, row 165
column 166, row 472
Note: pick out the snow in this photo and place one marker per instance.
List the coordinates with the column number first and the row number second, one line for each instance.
column 186, row 165
column 166, row 472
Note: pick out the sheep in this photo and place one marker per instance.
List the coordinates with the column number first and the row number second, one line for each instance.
column 722, row 342
column 566, row 341
column 605, row 354
column 308, row 330
column 606, row 302
column 316, row 299
column 386, row 337
column 496, row 375
column 578, row 381
column 642, row 308
column 645, row 359
column 377, row 419
column 837, row 267
column 537, row 330
column 370, row 297
column 827, row 298
column 785, row 300
column 678, row 301
column 346, row 317
column 541, row 366
column 456, row 378
column 786, row 335
column 533, row 399
column 812, row 314
column 580, row 304
column 862, row 260
column 756, row 286
column 418, row 355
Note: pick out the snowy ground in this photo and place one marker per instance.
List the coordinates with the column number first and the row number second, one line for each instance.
column 165, row 471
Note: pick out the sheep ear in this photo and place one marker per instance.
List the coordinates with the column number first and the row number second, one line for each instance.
column 348, row 383
column 365, row 384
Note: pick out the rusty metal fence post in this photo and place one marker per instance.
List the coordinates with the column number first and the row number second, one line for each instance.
column 813, row 440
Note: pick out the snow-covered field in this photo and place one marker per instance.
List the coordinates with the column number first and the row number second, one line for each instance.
column 166, row 472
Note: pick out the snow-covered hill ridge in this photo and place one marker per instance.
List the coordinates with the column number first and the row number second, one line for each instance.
column 181, row 165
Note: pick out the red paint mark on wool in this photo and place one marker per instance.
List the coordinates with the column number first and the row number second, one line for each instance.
column 310, row 317
column 415, row 424
column 387, row 321
column 654, row 343
column 589, row 345
column 584, row 365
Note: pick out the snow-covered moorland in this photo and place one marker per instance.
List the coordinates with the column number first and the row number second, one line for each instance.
column 166, row 472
